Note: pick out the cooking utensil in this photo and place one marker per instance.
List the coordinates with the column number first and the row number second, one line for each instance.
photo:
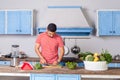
column 22, row 55
column 51, row 66
column 117, row 57
column 66, row 49
column 75, row 49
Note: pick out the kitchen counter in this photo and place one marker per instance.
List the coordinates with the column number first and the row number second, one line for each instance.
column 34, row 59
column 15, row 71
column 12, row 71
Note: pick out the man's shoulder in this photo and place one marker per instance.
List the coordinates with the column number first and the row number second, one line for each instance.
column 58, row 36
column 42, row 34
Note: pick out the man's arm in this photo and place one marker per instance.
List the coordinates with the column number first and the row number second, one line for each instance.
column 61, row 54
column 37, row 47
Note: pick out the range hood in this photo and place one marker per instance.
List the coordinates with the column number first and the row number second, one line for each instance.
column 69, row 20
column 70, row 31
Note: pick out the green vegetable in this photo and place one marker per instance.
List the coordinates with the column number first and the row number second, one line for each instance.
column 71, row 65
column 89, row 58
column 102, row 58
column 82, row 55
column 107, row 55
column 38, row 66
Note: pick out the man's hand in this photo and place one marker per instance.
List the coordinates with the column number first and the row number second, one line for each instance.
column 55, row 63
column 43, row 61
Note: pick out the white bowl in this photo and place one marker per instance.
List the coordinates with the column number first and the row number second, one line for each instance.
column 96, row 66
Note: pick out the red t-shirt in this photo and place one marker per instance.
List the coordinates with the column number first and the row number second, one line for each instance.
column 49, row 46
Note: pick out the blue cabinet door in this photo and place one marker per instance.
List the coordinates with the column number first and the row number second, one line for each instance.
column 26, row 22
column 2, row 22
column 42, row 77
column 13, row 22
column 19, row 22
column 68, row 77
column 54, row 77
column 116, row 22
column 105, row 22
column 5, row 63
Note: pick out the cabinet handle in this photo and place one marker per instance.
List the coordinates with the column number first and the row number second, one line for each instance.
column 113, row 31
column 4, row 62
column 20, row 30
column 110, row 31
column 16, row 30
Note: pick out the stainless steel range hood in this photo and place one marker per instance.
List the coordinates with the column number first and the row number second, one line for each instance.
column 69, row 19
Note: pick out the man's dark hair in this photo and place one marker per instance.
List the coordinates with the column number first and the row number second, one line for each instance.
column 52, row 27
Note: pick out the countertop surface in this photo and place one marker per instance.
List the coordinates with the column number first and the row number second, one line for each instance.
column 112, row 73
column 65, row 59
column 16, row 71
column 63, row 70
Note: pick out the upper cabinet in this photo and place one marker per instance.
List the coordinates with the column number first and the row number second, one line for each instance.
column 108, row 22
column 17, row 21
column 2, row 22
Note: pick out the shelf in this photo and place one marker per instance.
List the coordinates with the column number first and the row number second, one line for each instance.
column 70, row 31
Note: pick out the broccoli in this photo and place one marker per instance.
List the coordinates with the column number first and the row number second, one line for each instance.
column 71, row 65
column 38, row 66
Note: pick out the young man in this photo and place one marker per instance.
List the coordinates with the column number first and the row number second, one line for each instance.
column 47, row 44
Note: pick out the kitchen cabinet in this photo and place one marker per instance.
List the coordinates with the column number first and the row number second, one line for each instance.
column 5, row 63
column 42, row 77
column 19, row 22
column 2, row 22
column 68, row 77
column 16, row 22
column 55, row 77
column 80, row 64
column 108, row 23
column 114, row 65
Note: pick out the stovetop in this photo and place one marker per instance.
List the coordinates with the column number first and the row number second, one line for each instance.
column 70, row 59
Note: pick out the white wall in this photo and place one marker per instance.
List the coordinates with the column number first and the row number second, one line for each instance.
column 95, row 44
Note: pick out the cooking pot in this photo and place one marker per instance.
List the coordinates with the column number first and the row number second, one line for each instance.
column 75, row 49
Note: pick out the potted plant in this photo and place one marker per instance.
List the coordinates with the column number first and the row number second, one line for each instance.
column 96, row 61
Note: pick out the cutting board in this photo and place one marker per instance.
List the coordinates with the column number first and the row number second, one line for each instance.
column 51, row 66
